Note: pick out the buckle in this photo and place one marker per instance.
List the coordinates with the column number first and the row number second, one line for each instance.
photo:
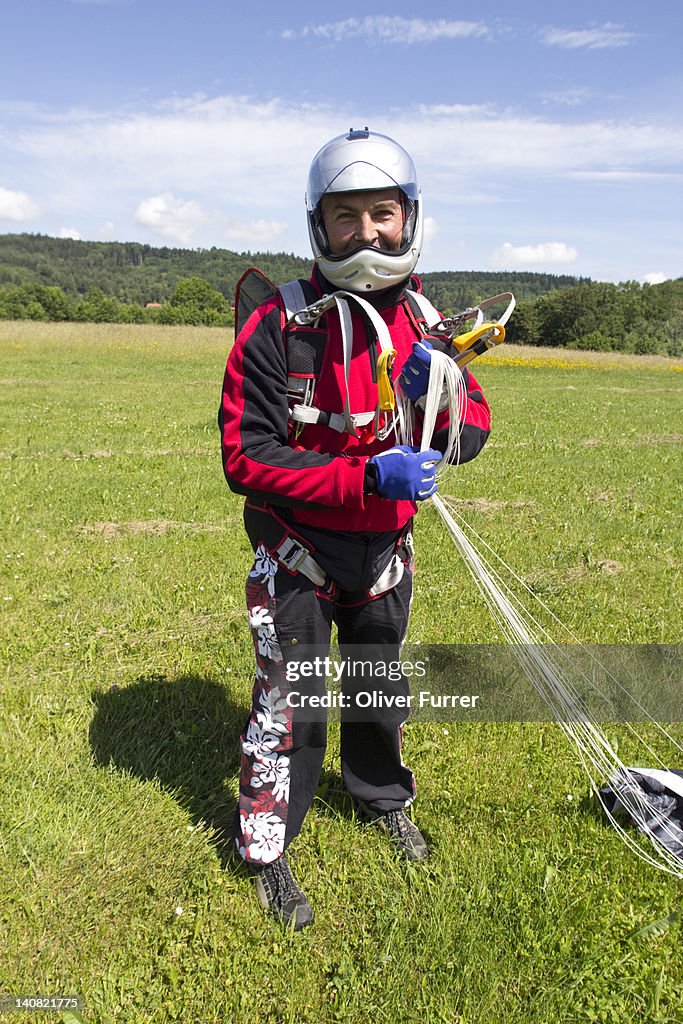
column 294, row 554
column 311, row 313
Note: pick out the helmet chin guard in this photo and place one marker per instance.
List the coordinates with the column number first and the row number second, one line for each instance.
column 364, row 161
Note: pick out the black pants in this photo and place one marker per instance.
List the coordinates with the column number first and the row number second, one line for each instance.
column 283, row 746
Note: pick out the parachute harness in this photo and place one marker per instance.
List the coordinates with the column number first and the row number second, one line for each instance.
column 389, row 416
column 541, row 658
column 386, row 415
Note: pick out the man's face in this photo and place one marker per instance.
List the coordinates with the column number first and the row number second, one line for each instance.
column 363, row 218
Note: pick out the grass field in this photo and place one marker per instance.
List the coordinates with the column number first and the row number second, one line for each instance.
column 127, row 675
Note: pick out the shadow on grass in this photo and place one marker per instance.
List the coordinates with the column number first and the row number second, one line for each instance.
column 184, row 732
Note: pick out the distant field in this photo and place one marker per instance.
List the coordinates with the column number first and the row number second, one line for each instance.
column 127, row 675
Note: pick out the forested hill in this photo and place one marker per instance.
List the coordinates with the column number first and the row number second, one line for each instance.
column 454, row 290
column 44, row 278
column 136, row 273
column 131, row 271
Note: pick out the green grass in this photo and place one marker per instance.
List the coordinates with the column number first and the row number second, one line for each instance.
column 127, row 675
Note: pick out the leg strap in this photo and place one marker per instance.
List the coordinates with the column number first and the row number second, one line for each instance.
column 292, row 554
column 291, row 551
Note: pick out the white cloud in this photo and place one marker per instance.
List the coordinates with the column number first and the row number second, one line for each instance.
column 16, row 206
column 508, row 255
column 211, row 142
column 568, row 97
column 431, row 229
column 216, row 144
column 253, row 233
column 179, row 220
column 599, row 38
column 170, row 217
column 106, row 232
column 478, row 167
column 656, row 277
column 456, row 110
column 386, row 29
column 625, row 177
column 70, row 233
column 432, row 233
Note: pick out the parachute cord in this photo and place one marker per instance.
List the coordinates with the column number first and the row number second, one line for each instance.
column 538, row 654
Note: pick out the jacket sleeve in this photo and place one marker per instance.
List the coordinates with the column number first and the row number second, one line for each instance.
column 258, row 459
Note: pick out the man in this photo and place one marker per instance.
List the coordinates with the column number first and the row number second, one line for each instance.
column 331, row 499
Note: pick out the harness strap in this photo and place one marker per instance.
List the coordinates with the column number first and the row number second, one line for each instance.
column 293, row 297
column 347, row 350
column 429, row 313
column 294, row 556
column 334, row 420
column 287, row 547
column 292, row 294
column 391, row 577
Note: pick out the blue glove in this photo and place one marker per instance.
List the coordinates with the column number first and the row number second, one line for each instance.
column 414, row 378
column 406, row 474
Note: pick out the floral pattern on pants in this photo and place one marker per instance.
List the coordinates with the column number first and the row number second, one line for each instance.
column 267, row 737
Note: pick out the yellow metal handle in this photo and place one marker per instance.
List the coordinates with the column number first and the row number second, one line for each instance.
column 469, row 338
column 385, row 389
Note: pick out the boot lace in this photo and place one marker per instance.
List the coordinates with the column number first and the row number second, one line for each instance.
column 283, row 881
column 399, row 824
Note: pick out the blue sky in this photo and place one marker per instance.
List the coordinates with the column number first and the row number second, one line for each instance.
column 546, row 137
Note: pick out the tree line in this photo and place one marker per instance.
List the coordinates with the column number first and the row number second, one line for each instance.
column 628, row 317
column 132, row 272
column 44, row 278
column 136, row 273
column 192, row 301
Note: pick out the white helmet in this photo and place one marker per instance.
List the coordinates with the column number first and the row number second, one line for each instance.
column 363, row 161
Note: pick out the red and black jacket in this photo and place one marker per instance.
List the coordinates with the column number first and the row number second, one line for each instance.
column 319, row 473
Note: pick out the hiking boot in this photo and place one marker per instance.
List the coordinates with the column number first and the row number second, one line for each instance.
column 404, row 834
column 278, row 892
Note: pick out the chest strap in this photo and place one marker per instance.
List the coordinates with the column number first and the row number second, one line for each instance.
column 346, row 421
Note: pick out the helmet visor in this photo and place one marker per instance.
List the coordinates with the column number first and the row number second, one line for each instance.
column 360, row 162
column 360, row 176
